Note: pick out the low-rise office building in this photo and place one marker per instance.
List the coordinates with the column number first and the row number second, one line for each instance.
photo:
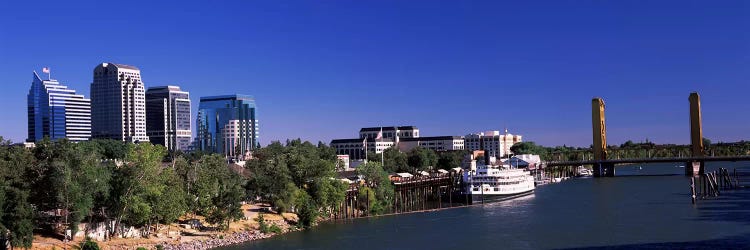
column 437, row 143
column 404, row 138
column 393, row 132
column 356, row 148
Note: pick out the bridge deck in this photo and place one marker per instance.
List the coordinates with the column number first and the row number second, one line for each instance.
column 649, row 160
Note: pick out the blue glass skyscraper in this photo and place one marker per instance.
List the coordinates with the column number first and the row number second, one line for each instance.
column 227, row 125
column 57, row 112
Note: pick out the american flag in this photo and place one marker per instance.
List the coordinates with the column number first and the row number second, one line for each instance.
column 45, row 70
column 380, row 134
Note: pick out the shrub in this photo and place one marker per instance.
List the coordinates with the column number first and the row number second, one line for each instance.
column 89, row 244
column 274, row 229
column 141, row 248
column 159, row 247
column 262, row 225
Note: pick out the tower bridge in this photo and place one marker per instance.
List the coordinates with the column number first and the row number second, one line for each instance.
column 604, row 165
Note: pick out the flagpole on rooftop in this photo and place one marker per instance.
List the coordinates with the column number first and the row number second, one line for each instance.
column 382, row 157
column 46, row 70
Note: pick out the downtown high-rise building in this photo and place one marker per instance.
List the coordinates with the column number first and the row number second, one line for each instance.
column 168, row 117
column 227, row 125
column 57, row 112
column 118, row 103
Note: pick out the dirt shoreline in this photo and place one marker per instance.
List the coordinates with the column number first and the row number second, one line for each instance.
column 176, row 237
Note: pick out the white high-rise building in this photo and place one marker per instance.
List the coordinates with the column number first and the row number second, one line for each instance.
column 118, row 103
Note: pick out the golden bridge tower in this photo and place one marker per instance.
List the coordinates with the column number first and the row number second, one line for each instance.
column 696, row 136
column 600, row 140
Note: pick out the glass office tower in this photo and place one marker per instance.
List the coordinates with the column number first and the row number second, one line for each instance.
column 227, row 125
column 57, row 112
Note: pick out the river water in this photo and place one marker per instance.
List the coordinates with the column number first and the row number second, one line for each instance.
column 641, row 208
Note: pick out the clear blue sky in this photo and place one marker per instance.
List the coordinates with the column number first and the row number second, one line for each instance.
column 322, row 69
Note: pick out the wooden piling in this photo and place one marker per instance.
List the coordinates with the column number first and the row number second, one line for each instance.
column 692, row 189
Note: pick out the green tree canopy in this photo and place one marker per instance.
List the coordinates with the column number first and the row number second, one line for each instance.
column 422, row 159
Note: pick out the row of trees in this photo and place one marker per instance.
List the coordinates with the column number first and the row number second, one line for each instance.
column 143, row 185
column 418, row 159
column 102, row 180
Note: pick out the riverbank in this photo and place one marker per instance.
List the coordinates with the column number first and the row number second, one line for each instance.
column 180, row 237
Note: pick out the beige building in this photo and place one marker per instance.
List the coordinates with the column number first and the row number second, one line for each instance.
column 496, row 144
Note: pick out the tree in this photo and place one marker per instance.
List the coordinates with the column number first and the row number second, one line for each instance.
column 296, row 177
column 450, row 159
column 111, row 149
column 706, row 144
column 395, row 161
column 422, row 158
column 306, row 209
column 367, row 201
column 628, row 144
column 78, row 180
column 227, row 203
column 218, row 191
column 270, row 177
column 305, row 164
column 377, row 179
column 171, row 201
column 528, row 147
column 328, row 194
column 16, row 212
column 136, row 183
column 188, row 175
column 17, row 217
column 88, row 244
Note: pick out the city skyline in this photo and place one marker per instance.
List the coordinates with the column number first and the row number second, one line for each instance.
column 321, row 70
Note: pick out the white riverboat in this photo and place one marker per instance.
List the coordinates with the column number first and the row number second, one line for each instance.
column 489, row 182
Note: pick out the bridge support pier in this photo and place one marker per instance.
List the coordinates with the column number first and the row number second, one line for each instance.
column 604, row 170
column 694, row 168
